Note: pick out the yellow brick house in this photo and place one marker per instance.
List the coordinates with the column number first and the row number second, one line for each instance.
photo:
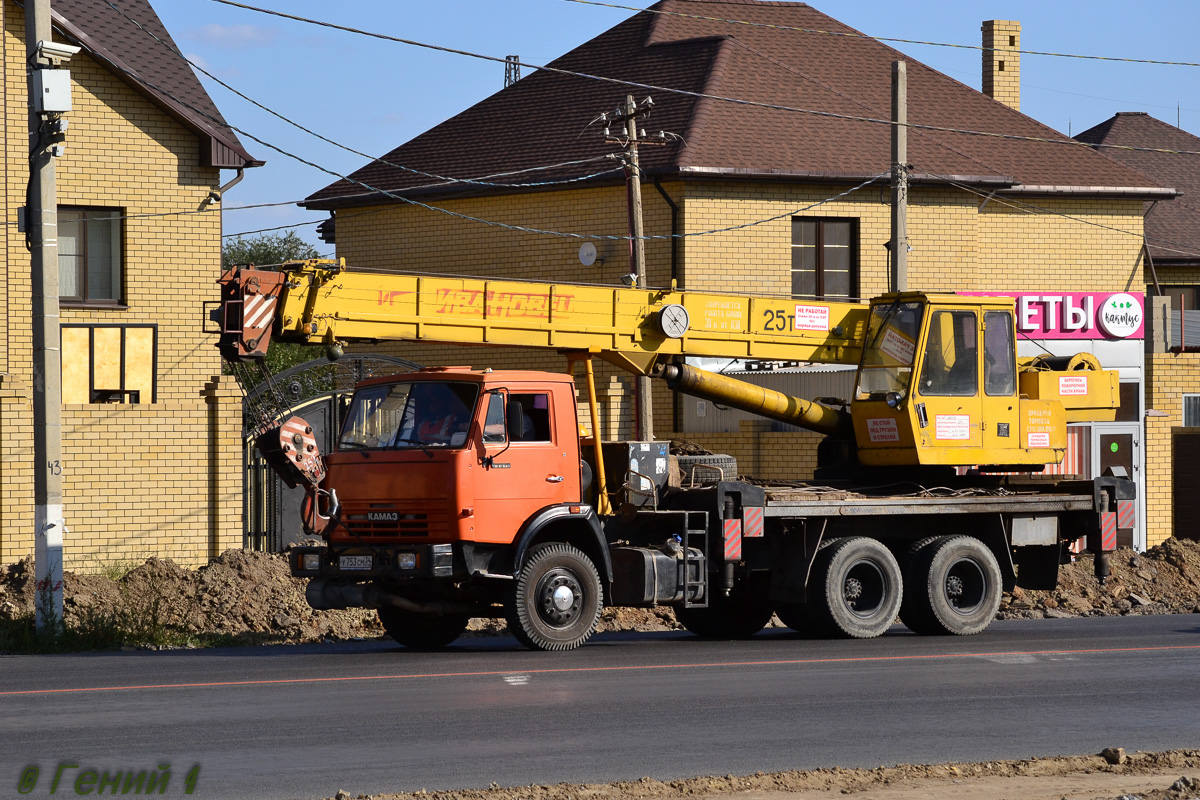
column 150, row 430
column 771, row 176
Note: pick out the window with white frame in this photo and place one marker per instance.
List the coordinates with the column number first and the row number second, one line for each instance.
column 1191, row 411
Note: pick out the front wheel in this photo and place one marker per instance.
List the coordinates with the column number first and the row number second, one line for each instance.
column 557, row 599
column 422, row 631
column 955, row 587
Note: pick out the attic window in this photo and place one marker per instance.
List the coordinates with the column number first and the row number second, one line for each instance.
column 1002, row 66
column 1012, row 41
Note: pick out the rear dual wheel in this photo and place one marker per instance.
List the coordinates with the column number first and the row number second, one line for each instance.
column 854, row 592
column 952, row 585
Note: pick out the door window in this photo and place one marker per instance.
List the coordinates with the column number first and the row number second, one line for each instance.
column 999, row 355
column 951, row 355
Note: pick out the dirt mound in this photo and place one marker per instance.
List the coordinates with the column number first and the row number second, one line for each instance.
column 1163, row 580
column 246, row 597
column 1077, row 776
column 241, row 597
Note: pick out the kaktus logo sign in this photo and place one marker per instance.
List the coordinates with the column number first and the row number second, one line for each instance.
column 1120, row 315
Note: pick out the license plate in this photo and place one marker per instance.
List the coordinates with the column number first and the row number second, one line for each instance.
column 355, row 562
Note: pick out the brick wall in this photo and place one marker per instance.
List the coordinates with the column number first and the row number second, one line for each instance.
column 1171, row 375
column 161, row 478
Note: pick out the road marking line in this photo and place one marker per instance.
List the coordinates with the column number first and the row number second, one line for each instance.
column 636, row 667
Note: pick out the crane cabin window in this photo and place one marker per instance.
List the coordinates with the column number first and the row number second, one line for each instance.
column 890, row 349
column 824, row 258
column 951, row 355
column 420, row 414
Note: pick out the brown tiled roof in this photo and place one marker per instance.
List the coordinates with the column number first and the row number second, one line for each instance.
column 150, row 69
column 1171, row 226
column 541, row 119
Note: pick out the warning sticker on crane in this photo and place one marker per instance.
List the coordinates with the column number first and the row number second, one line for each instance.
column 1072, row 385
column 812, row 318
column 898, row 346
column 883, row 430
column 1039, row 439
column 952, row 426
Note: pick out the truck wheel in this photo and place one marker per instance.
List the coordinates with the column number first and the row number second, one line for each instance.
column 557, row 599
column 794, row 615
column 422, row 631
column 956, row 587
column 856, row 589
column 915, row 613
column 737, row 617
column 707, row 469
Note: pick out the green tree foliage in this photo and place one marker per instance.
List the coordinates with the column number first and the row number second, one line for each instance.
column 268, row 248
column 272, row 248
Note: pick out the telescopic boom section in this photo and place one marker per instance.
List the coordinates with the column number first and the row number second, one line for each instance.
column 320, row 301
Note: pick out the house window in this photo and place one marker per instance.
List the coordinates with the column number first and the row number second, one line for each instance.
column 89, row 255
column 109, row 363
column 1191, row 411
column 1183, row 297
column 824, row 258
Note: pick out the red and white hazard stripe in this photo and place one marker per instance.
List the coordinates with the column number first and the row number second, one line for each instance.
column 257, row 313
column 733, row 539
column 1126, row 513
column 1108, row 531
column 753, row 521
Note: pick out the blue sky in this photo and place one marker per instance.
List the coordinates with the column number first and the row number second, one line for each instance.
column 372, row 95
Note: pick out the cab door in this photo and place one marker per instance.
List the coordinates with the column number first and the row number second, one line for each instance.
column 948, row 407
column 1001, row 409
column 520, row 465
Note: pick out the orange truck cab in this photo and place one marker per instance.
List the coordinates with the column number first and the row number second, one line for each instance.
column 442, row 480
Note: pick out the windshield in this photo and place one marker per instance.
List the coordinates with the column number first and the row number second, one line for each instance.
column 413, row 414
column 887, row 360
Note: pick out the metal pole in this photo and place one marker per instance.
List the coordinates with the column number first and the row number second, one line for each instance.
column 899, row 176
column 42, row 222
column 645, row 411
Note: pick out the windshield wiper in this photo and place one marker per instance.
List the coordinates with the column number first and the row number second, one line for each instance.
column 418, row 443
column 350, row 444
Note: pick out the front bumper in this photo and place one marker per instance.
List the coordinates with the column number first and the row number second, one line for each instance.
column 359, row 562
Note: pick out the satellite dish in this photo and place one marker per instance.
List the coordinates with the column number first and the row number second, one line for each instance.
column 587, row 254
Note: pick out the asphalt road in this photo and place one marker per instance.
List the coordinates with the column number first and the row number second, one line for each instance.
column 303, row 722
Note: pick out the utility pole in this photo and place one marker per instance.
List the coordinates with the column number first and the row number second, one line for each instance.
column 637, row 263
column 899, row 241
column 46, row 127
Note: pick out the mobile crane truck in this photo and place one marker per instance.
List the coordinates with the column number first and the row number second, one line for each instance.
column 455, row 493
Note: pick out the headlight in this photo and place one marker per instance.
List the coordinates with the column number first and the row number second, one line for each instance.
column 406, row 560
column 310, row 562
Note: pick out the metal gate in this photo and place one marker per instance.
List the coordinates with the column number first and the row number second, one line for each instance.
column 318, row 391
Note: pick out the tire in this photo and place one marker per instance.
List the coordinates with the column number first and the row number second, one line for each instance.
column 914, row 611
column 703, row 470
column 557, row 599
column 737, row 617
column 795, row 616
column 422, row 631
column 956, row 587
column 856, row 589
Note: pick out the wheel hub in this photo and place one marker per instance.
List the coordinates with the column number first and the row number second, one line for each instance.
column 954, row 587
column 853, row 589
column 560, row 598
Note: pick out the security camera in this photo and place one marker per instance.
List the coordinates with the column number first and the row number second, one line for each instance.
column 56, row 51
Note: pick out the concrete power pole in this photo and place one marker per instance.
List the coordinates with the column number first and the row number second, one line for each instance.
column 41, row 219
column 645, row 408
column 899, row 239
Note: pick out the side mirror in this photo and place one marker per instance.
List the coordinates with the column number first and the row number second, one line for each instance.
column 893, row 399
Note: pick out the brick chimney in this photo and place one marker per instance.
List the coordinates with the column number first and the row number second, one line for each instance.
column 1002, row 61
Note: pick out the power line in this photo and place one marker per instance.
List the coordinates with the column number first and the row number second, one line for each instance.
column 698, row 95
column 467, row 217
column 855, row 35
column 446, row 180
column 1030, row 208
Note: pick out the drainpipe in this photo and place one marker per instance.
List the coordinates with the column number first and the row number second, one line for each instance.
column 674, row 230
